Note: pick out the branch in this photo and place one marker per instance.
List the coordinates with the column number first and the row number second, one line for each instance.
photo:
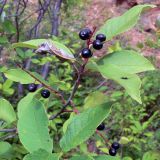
column 75, row 87
column 3, row 4
column 8, row 130
column 102, row 136
column 48, row 87
column 42, row 12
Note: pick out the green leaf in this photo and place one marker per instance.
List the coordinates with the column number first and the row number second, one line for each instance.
column 81, row 158
column 117, row 25
column 151, row 155
column 61, row 50
column 104, row 157
column 90, row 99
column 38, row 76
column 124, row 140
column 128, row 61
column 3, row 40
column 18, row 75
column 48, row 45
column 42, row 155
column 83, row 126
column 33, row 125
column 5, row 150
column 127, row 158
column 6, row 111
column 29, row 44
column 9, row 27
column 67, row 122
column 130, row 82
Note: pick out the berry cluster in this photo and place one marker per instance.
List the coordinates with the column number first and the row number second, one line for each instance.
column 86, row 34
column 33, row 87
column 114, row 147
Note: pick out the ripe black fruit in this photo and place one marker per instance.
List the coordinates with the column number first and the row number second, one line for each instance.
column 32, row 87
column 112, row 152
column 86, row 53
column 101, row 127
column 97, row 44
column 45, row 93
column 115, row 145
column 85, row 33
column 101, row 37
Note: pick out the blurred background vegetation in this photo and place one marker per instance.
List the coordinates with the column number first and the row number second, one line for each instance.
column 136, row 126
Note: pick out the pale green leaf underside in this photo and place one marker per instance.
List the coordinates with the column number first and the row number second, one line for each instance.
column 117, row 25
column 6, row 111
column 33, row 125
column 33, row 44
column 132, row 84
column 121, row 67
column 64, row 51
column 41, row 155
column 128, row 61
column 83, row 126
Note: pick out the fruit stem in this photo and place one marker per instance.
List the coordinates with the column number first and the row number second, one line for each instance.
column 89, row 40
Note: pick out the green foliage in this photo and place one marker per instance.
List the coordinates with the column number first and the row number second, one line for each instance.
column 124, row 22
column 122, row 69
column 56, row 47
column 18, row 75
column 41, row 155
column 151, row 156
column 5, row 150
column 106, row 158
column 33, row 123
column 134, row 125
column 81, row 158
column 6, row 111
column 83, row 126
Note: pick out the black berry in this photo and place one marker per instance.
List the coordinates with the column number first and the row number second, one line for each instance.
column 97, row 44
column 101, row 37
column 85, row 33
column 45, row 93
column 112, row 152
column 32, row 87
column 86, row 53
column 101, row 127
column 115, row 145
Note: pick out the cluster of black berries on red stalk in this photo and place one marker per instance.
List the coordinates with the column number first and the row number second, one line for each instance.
column 86, row 34
column 33, row 87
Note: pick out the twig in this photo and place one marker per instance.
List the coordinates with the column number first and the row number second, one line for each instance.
column 75, row 87
column 3, row 4
column 100, row 85
column 8, row 130
column 8, row 136
column 102, row 136
column 47, row 86
column 40, row 16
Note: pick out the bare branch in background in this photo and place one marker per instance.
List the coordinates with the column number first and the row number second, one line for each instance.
column 42, row 12
column 3, row 5
column 54, row 17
